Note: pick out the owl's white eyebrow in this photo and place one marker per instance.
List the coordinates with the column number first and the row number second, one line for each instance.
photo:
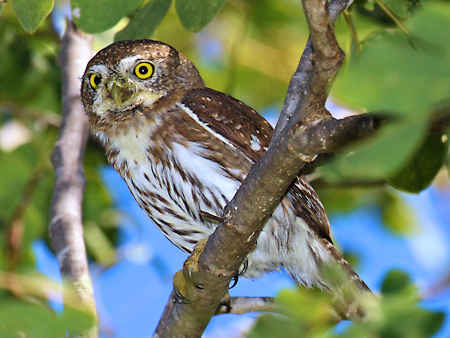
column 99, row 69
column 126, row 63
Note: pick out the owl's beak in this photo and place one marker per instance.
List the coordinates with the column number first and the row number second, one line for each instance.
column 118, row 92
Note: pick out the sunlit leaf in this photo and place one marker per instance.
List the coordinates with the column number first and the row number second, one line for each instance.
column 99, row 245
column 398, row 216
column 145, row 21
column 100, row 15
column 31, row 13
column 195, row 14
column 423, row 166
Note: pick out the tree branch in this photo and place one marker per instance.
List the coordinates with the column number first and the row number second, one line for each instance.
column 241, row 305
column 300, row 83
column 66, row 229
column 209, row 270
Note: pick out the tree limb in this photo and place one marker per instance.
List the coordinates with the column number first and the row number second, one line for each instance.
column 66, row 229
column 209, row 270
column 299, row 85
column 241, row 305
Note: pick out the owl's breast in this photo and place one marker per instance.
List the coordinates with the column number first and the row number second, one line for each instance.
column 175, row 186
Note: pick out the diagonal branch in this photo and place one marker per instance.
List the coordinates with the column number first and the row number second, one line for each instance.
column 66, row 229
column 241, row 305
column 209, row 270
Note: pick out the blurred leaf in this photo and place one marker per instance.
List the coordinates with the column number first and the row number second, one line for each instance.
column 423, row 167
column 99, row 245
column 345, row 199
column 395, row 282
column 306, row 313
column 379, row 157
column 31, row 13
column 20, row 319
column 97, row 204
column 195, row 14
column 398, row 7
column 100, row 15
column 397, row 314
column 398, row 216
column 144, row 22
column 270, row 326
column 29, row 76
column 391, row 76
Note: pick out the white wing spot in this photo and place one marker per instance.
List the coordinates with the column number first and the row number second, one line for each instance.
column 254, row 143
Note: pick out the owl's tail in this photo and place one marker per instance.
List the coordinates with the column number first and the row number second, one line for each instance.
column 348, row 290
column 351, row 293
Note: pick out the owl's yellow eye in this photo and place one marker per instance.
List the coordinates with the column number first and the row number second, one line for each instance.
column 94, row 80
column 143, row 70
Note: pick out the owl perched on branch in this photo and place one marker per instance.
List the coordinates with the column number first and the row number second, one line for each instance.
column 184, row 149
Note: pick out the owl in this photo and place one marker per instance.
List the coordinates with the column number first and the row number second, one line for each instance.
column 184, row 149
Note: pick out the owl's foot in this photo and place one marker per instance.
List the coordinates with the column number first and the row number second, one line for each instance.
column 235, row 278
column 183, row 280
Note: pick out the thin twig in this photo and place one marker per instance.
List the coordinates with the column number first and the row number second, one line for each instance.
column 241, row 305
column 66, row 230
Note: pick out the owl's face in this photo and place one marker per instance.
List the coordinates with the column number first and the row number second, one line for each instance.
column 127, row 76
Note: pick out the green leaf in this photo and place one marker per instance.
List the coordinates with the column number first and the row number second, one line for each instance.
column 145, row 20
column 397, row 313
column 196, row 14
column 378, row 157
column 100, row 15
column 398, row 7
column 395, row 282
column 306, row 314
column 20, row 319
column 397, row 215
column 392, row 76
column 99, row 244
column 420, row 171
column 32, row 12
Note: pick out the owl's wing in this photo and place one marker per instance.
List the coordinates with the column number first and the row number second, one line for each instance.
column 239, row 124
column 249, row 132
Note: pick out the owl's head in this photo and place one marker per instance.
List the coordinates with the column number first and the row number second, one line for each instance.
column 129, row 75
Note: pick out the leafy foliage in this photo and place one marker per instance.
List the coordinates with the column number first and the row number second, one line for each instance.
column 408, row 79
column 37, row 321
column 305, row 314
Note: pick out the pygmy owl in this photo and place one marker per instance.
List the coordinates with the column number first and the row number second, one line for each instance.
column 183, row 149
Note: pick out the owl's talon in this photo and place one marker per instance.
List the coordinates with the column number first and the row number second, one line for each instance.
column 233, row 281
column 244, row 267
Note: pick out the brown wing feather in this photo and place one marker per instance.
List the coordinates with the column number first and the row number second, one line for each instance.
column 239, row 123
column 230, row 118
